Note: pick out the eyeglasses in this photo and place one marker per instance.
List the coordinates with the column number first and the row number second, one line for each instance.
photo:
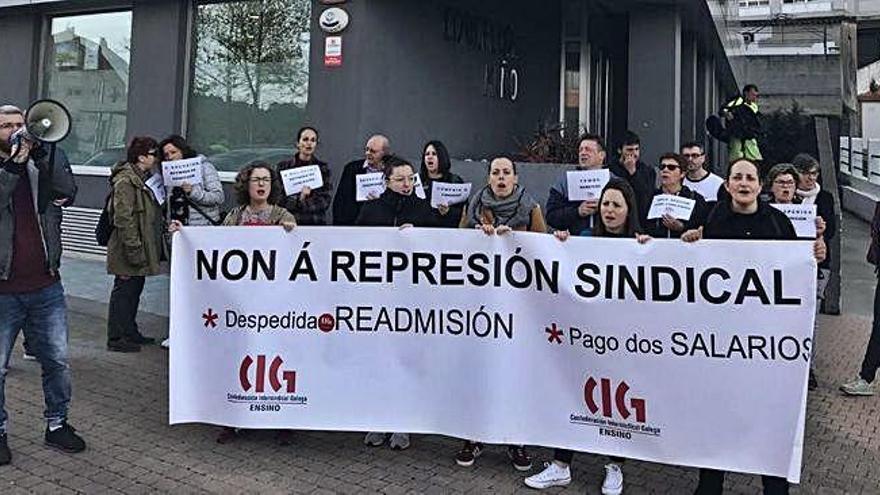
column 669, row 166
column 401, row 180
column 260, row 180
column 11, row 125
column 783, row 183
column 154, row 153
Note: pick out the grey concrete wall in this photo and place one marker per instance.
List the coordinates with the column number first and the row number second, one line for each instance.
column 401, row 77
column 813, row 80
column 19, row 32
column 157, row 71
column 655, row 79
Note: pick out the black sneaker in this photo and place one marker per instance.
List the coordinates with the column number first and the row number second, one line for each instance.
column 65, row 438
column 122, row 346
column 5, row 453
column 468, row 454
column 142, row 340
column 813, row 384
column 519, row 457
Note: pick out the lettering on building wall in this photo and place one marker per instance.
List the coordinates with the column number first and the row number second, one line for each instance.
column 502, row 80
column 477, row 32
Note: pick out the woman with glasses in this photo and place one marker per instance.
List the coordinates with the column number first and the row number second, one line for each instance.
column 135, row 246
column 398, row 206
column 309, row 206
column 673, row 168
column 204, row 199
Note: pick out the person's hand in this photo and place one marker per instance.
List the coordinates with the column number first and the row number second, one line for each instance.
column 642, row 238
column 692, row 235
column 820, row 250
column 372, row 195
column 187, row 188
column 406, row 226
column 629, row 162
column 305, row 193
column 60, row 201
column 288, row 226
column 487, row 228
column 820, row 226
column 588, row 208
column 22, row 152
column 503, row 230
column 443, row 208
column 175, row 226
column 673, row 223
column 562, row 235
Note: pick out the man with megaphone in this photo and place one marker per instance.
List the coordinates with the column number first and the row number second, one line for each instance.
column 32, row 190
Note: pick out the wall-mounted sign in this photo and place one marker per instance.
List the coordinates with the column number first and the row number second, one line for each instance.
column 333, row 20
column 478, row 33
column 333, row 51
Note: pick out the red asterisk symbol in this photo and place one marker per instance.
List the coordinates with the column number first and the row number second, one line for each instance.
column 555, row 334
column 210, row 318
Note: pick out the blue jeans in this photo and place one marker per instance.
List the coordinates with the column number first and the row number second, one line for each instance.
column 43, row 316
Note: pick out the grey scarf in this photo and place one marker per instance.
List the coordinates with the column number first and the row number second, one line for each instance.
column 514, row 211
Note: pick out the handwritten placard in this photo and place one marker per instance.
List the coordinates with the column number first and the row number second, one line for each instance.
column 674, row 206
column 586, row 185
column 295, row 179
column 803, row 218
column 176, row 172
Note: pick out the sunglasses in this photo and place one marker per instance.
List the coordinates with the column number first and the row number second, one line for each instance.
column 670, row 167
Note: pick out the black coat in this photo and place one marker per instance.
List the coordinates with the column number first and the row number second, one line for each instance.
column 643, row 182
column 766, row 224
column 655, row 227
column 825, row 209
column 392, row 210
column 345, row 205
column 453, row 216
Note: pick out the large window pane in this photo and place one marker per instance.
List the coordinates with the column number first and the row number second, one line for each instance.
column 87, row 70
column 250, row 81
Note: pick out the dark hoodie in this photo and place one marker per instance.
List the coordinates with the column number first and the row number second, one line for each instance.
column 392, row 209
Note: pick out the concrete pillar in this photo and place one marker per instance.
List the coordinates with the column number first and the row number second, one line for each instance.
column 157, row 75
column 654, row 91
column 704, row 104
column 689, row 121
column 20, row 34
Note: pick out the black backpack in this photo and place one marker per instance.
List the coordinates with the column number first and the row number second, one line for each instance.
column 716, row 128
column 105, row 224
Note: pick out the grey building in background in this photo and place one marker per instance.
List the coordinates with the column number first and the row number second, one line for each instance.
column 239, row 77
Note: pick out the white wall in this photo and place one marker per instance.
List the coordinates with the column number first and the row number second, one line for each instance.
column 871, row 120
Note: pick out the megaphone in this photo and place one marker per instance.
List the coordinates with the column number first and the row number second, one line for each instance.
column 46, row 121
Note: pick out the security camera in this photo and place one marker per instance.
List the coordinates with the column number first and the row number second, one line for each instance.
column 333, row 20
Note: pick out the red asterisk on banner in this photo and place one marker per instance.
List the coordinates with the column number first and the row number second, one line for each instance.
column 210, row 318
column 555, row 334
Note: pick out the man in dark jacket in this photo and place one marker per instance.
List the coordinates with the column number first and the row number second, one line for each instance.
column 345, row 205
column 577, row 217
column 31, row 295
column 641, row 177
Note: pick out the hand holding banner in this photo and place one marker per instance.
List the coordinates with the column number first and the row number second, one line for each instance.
column 672, row 205
column 449, row 194
column 295, row 179
column 585, row 185
column 176, row 172
column 803, row 218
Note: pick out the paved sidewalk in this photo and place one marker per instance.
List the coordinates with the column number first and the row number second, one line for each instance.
column 120, row 405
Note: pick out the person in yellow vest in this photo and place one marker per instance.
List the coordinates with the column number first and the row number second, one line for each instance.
column 743, row 122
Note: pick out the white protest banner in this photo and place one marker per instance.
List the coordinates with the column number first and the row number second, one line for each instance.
column 599, row 345
column 371, row 184
column 449, row 194
column 586, row 184
column 295, row 179
column 155, row 184
column 177, row 172
column 803, row 217
column 672, row 205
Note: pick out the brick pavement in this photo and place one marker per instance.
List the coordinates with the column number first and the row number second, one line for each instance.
column 120, row 406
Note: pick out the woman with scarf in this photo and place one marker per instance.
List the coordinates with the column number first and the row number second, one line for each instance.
column 503, row 205
column 436, row 167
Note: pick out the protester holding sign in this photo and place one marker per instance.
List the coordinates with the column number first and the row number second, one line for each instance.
column 135, row 245
column 672, row 173
column 207, row 196
column 503, row 205
column 345, row 205
column 744, row 217
column 309, row 206
column 436, row 167
column 563, row 213
column 398, row 206
column 618, row 213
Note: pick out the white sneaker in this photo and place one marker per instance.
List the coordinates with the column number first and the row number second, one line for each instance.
column 166, row 344
column 552, row 475
column 28, row 357
column 375, row 439
column 859, row 386
column 613, row 484
column 399, row 441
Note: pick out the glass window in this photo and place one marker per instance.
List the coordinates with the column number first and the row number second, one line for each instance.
column 86, row 69
column 250, row 80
